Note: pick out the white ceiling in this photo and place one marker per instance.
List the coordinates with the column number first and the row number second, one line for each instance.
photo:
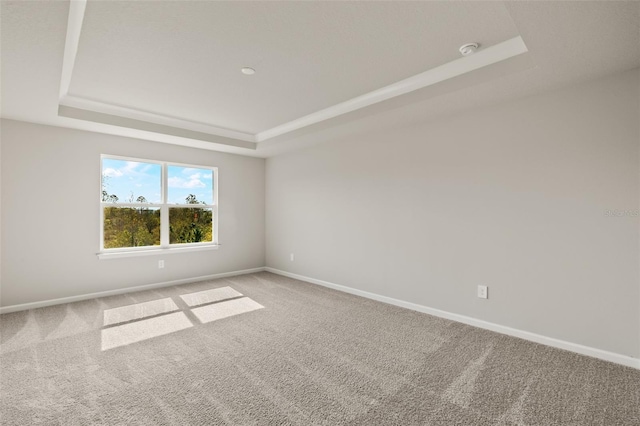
column 183, row 59
column 170, row 71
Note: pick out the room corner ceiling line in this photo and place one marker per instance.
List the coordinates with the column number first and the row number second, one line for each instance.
column 78, row 102
column 490, row 55
column 74, row 27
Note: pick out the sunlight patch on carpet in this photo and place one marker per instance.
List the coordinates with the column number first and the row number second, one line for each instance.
column 142, row 330
column 139, row 311
column 209, row 296
column 227, row 309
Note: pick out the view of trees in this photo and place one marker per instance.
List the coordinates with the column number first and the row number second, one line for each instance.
column 190, row 224
column 140, row 226
column 131, row 227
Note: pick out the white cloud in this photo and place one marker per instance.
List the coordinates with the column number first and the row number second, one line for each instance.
column 110, row 172
column 146, row 168
column 130, row 167
column 178, row 182
column 194, row 173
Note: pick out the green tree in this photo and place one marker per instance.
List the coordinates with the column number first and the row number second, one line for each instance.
column 190, row 225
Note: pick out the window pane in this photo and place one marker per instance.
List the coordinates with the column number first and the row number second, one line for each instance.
column 129, row 227
column 131, row 181
column 190, row 225
column 188, row 185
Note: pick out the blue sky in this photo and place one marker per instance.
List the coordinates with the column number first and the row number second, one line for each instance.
column 143, row 179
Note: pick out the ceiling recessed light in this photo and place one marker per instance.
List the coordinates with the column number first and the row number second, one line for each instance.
column 248, row 71
column 468, row 49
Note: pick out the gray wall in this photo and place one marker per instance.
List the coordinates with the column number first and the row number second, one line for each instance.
column 50, row 223
column 513, row 196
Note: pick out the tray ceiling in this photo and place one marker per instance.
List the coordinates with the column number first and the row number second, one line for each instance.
column 170, row 71
column 183, row 59
column 178, row 64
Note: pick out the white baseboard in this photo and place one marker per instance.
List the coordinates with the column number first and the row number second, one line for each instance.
column 533, row 337
column 41, row 304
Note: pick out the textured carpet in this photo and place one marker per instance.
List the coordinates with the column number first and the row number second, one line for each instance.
column 273, row 351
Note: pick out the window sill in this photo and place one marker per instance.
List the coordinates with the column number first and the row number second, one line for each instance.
column 154, row 252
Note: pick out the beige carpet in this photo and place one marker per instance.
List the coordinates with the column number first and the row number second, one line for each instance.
column 262, row 349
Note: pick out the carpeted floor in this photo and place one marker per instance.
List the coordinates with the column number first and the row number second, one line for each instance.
column 269, row 350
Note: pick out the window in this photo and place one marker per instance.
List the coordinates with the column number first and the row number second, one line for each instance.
column 149, row 205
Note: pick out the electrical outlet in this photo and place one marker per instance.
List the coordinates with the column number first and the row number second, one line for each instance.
column 291, row 257
column 160, row 264
column 483, row 292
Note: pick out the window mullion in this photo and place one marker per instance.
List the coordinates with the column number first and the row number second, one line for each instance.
column 164, row 210
column 216, row 240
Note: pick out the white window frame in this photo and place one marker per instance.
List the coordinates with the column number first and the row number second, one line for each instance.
column 165, row 246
